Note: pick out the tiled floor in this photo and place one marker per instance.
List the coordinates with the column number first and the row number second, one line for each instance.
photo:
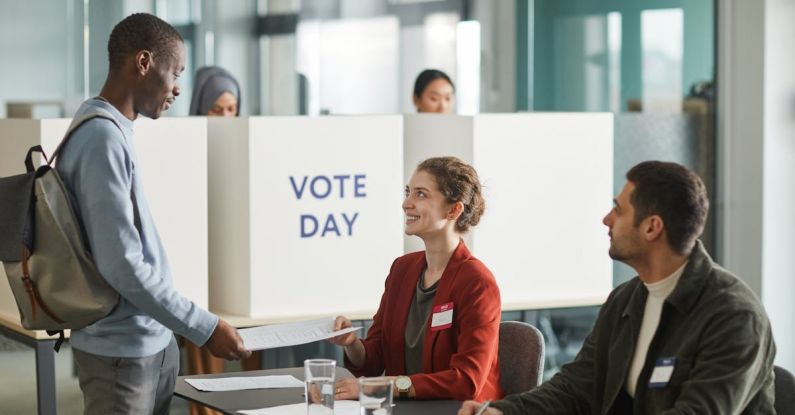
column 18, row 382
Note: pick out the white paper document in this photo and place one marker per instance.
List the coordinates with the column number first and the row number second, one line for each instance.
column 340, row 408
column 290, row 334
column 247, row 382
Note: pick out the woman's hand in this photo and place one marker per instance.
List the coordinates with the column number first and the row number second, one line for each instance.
column 346, row 339
column 347, row 388
column 354, row 348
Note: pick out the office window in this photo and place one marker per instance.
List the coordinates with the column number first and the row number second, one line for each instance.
column 662, row 45
column 356, row 68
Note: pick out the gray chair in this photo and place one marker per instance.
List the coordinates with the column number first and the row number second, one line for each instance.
column 785, row 391
column 521, row 357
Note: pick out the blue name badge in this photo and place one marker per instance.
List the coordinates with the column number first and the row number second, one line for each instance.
column 662, row 373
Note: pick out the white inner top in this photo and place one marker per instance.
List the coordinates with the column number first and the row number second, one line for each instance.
column 658, row 292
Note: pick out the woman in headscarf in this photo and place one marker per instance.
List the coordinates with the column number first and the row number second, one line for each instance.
column 215, row 93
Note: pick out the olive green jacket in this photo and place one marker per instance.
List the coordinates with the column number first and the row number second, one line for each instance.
column 712, row 323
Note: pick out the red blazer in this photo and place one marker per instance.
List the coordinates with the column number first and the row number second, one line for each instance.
column 459, row 362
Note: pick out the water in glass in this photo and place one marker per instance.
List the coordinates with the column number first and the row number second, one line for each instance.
column 320, row 396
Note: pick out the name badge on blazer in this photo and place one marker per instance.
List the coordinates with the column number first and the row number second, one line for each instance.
column 442, row 317
column 662, row 373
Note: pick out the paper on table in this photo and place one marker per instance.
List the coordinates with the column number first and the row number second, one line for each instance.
column 290, row 334
column 340, row 408
column 247, row 382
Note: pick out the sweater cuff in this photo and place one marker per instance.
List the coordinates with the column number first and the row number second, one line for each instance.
column 202, row 332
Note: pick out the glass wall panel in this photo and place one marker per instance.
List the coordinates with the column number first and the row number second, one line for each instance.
column 651, row 48
column 42, row 47
column 662, row 50
column 356, row 69
column 624, row 56
column 269, row 45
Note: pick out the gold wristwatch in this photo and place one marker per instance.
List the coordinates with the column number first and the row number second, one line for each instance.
column 403, row 384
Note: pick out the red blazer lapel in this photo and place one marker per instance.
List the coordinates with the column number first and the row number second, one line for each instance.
column 408, row 285
column 443, row 296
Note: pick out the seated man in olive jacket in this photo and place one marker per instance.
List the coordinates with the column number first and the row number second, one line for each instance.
column 683, row 337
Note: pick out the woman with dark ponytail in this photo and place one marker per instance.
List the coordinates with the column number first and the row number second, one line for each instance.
column 434, row 91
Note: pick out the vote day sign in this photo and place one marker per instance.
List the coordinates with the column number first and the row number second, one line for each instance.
column 305, row 213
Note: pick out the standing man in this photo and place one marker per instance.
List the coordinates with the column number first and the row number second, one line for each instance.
column 128, row 361
column 684, row 337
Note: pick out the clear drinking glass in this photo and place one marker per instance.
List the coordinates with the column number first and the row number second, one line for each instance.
column 319, row 386
column 375, row 396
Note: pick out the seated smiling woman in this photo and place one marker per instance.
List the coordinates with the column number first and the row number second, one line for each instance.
column 435, row 331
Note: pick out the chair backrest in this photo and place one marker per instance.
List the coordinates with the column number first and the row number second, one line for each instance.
column 521, row 357
column 785, row 391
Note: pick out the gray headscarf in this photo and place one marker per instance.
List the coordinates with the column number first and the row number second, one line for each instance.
column 210, row 83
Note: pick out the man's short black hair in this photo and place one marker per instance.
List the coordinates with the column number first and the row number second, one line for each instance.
column 140, row 31
column 676, row 194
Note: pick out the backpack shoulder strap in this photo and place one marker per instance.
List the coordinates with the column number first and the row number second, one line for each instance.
column 77, row 124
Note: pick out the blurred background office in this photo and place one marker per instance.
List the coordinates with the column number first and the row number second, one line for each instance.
column 707, row 83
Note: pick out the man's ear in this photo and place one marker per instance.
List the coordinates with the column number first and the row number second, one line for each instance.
column 653, row 228
column 143, row 62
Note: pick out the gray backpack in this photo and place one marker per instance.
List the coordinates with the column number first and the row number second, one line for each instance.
column 52, row 274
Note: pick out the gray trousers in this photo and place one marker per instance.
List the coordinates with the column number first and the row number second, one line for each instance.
column 120, row 385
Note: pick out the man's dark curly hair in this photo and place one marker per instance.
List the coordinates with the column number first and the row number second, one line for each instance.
column 140, row 31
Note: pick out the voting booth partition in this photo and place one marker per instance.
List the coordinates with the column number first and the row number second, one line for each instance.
column 548, row 182
column 287, row 218
column 172, row 162
column 305, row 214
